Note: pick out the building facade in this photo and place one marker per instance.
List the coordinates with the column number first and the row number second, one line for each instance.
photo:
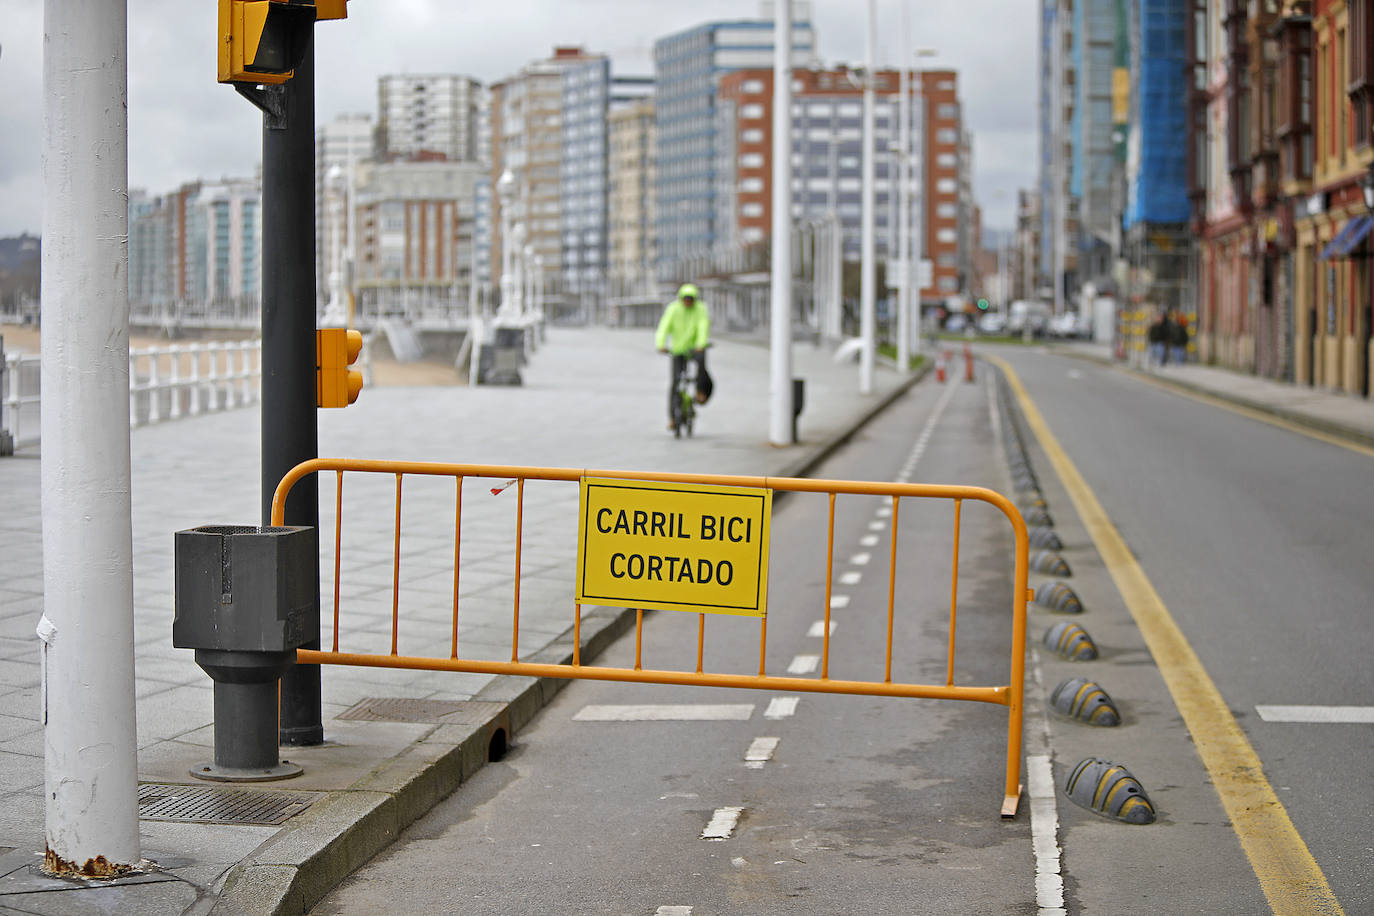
column 527, row 139
column 688, row 67
column 827, row 168
column 630, row 208
column 415, row 241
column 430, row 113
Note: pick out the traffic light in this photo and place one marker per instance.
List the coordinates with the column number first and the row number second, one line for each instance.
column 262, row 41
column 336, row 385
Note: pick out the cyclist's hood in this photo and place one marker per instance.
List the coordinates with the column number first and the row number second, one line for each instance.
column 687, row 289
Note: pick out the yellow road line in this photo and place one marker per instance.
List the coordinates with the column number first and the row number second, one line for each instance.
column 1291, row 879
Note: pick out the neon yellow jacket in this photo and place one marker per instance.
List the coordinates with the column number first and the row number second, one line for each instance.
column 688, row 328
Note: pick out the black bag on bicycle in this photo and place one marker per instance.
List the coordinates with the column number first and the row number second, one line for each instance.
column 704, row 383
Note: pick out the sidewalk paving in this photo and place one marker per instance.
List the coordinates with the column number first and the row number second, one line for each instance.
column 591, row 399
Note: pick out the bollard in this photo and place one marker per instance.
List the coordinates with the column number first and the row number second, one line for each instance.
column 939, row 370
column 968, row 363
column 244, row 600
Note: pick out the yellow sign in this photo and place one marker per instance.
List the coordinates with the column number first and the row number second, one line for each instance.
column 673, row 546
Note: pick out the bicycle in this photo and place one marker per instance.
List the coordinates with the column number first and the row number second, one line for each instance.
column 684, row 404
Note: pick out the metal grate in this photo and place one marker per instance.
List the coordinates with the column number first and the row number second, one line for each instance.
column 221, row 805
column 404, row 709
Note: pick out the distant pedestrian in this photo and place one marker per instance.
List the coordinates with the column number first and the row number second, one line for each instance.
column 1156, row 336
column 1178, row 339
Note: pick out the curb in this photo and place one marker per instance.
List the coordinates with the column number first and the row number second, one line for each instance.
column 1297, row 418
column 319, row 848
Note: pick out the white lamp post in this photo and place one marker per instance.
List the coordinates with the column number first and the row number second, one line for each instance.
column 335, row 311
column 867, row 279
column 505, row 191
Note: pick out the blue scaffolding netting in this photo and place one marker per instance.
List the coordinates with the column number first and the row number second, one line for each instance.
column 1158, row 191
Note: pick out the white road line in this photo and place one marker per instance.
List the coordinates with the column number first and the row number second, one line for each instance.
column 722, row 824
column 760, row 752
column 883, row 511
column 673, row 911
column 839, row 601
column 869, row 540
column 818, row 629
column 877, row 526
column 861, row 559
column 1049, row 883
column 684, row 712
column 1323, row 714
column 852, row 577
column 781, row 707
column 804, row 664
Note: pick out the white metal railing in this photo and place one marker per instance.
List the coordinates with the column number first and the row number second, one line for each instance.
column 165, row 383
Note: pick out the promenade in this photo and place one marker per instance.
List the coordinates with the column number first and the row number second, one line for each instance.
column 592, row 398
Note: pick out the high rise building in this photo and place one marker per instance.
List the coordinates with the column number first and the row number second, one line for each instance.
column 688, row 67
column 527, row 139
column 827, row 146
column 590, row 93
column 340, row 145
column 429, row 113
column 631, row 202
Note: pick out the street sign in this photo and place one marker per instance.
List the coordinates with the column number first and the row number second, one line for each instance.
column 673, row 546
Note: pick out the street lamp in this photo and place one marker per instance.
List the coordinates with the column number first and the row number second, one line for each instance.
column 1367, row 187
column 505, row 192
column 335, row 313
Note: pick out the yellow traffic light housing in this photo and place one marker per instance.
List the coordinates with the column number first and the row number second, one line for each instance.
column 336, row 385
column 262, row 41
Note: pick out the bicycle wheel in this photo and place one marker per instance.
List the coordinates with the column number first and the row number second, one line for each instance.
column 689, row 413
column 677, row 418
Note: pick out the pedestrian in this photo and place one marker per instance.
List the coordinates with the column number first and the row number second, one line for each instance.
column 1178, row 339
column 1157, row 340
column 684, row 332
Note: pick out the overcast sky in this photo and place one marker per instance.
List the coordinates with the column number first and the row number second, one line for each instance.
column 183, row 125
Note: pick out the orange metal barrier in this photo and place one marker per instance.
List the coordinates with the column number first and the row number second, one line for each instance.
column 1009, row 695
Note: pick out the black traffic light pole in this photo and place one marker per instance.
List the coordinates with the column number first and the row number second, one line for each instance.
column 289, row 434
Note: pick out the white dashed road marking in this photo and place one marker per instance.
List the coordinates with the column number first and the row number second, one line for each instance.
column 673, row 911
column 804, row 664
column 839, row 601
column 818, row 629
column 850, row 578
column 860, row 559
column 760, row 752
column 781, row 707
column 1326, row 714
column 686, row 712
column 869, row 540
column 722, row 824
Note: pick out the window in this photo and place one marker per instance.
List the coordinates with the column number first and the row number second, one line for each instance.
column 947, row 186
column 751, row 87
column 948, row 284
column 751, row 112
column 1361, row 86
column 948, row 111
column 947, row 161
column 947, row 211
column 947, row 136
column 948, row 236
column 750, row 185
column 751, row 161
column 752, row 135
column 749, row 210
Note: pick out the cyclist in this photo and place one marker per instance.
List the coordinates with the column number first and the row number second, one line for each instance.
column 687, row 324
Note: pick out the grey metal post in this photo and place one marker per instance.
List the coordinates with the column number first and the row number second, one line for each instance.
column 289, row 432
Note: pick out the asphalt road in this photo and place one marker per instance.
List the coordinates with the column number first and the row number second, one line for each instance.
column 1256, row 539
column 1250, row 534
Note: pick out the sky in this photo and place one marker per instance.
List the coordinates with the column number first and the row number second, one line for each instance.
column 183, row 125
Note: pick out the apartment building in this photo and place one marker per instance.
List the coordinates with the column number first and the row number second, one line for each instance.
column 827, row 145
column 430, row 113
column 630, row 206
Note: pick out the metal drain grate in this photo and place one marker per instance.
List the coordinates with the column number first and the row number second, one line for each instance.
column 404, row 709
column 220, row 805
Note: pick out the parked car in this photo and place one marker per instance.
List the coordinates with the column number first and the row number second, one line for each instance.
column 1065, row 325
column 1026, row 315
column 955, row 323
column 992, row 323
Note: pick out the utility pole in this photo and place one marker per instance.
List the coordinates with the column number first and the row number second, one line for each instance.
column 87, row 627
column 289, row 433
column 867, row 277
column 1057, row 156
column 780, row 302
column 905, row 268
